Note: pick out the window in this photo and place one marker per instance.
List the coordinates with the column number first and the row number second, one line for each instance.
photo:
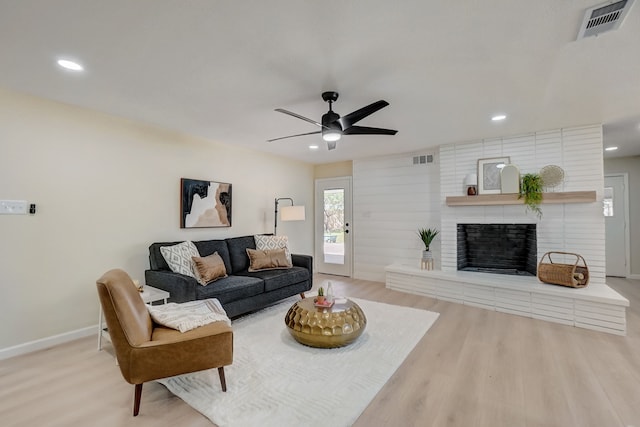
column 607, row 202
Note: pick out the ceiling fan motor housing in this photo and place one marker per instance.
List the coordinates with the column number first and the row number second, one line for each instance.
column 331, row 129
column 330, row 120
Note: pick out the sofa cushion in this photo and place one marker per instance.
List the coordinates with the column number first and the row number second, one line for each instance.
column 238, row 252
column 276, row 279
column 179, row 257
column 267, row 259
column 264, row 242
column 208, row 247
column 231, row 288
column 209, row 268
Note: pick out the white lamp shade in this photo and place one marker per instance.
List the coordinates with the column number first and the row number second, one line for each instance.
column 292, row 213
column 471, row 179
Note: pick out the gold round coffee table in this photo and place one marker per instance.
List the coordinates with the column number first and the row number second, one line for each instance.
column 336, row 326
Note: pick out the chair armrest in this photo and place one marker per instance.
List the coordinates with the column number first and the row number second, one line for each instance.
column 180, row 287
column 305, row 261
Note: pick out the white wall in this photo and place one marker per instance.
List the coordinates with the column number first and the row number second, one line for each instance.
column 392, row 199
column 577, row 228
column 334, row 170
column 105, row 189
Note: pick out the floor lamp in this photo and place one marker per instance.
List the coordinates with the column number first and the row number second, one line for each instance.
column 288, row 213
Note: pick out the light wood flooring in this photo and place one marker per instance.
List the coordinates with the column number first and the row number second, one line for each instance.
column 473, row 368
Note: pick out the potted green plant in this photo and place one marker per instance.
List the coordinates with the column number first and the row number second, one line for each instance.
column 320, row 298
column 531, row 190
column 427, row 235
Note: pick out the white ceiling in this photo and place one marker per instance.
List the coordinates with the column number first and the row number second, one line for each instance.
column 217, row 69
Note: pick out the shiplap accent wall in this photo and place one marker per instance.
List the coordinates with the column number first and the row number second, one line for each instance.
column 392, row 198
column 577, row 228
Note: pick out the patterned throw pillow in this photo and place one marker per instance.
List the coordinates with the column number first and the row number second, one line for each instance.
column 209, row 268
column 264, row 243
column 179, row 257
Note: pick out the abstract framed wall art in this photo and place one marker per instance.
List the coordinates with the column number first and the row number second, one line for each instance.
column 204, row 203
column 489, row 174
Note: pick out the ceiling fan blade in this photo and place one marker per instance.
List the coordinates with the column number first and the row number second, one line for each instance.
column 292, row 136
column 356, row 116
column 298, row 116
column 363, row 130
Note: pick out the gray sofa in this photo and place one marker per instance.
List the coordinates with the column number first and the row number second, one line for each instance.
column 242, row 291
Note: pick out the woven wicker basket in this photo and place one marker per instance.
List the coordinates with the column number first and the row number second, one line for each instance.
column 572, row 275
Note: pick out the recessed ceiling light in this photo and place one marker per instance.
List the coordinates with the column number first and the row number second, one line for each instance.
column 313, row 147
column 498, row 117
column 611, row 149
column 70, row 65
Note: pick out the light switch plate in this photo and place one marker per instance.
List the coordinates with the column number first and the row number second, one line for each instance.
column 13, row 207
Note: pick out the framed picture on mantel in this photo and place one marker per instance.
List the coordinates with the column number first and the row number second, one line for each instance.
column 489, row 174
column 204, row 204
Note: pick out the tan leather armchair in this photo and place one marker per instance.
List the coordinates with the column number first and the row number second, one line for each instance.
column 147, row 351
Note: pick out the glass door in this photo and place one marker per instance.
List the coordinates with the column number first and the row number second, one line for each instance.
column 333, row 226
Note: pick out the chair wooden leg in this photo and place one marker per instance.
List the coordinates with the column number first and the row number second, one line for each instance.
column 223, row 382
column 136, row 399
column 302, row 295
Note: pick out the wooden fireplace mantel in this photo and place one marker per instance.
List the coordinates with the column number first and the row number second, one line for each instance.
column 512, row 199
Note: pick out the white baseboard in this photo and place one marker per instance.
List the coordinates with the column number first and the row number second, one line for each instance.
column 634, row 276
column 47, row 342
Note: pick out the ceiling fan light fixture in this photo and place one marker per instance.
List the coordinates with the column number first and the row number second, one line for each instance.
column 331, row 135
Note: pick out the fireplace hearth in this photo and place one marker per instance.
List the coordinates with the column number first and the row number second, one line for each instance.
column 498, row 248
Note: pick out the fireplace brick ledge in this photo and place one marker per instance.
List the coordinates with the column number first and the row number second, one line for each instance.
column 597, row 306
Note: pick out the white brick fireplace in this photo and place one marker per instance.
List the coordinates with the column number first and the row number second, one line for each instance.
column 575, row 228
column 570, row 227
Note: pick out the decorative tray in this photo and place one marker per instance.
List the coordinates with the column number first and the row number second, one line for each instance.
column 326, row 303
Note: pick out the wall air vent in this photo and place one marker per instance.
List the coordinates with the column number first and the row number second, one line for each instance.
column 604, row 17
column 421, row 160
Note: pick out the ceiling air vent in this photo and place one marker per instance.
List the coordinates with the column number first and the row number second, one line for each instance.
column 604, row 17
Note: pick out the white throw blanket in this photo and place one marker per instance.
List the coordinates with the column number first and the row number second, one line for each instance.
column 188, row 315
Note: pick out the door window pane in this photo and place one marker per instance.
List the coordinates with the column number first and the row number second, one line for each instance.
column 607, row 202
column 334, row 226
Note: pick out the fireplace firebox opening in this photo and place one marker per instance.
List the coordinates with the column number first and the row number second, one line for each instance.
column 498, row 248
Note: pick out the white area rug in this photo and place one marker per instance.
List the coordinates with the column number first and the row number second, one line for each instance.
column 275, row 381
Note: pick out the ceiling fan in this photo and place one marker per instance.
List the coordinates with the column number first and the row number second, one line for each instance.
column 333, row 126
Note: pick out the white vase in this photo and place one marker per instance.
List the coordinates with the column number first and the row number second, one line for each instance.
column 426, row 263
column 510, row 179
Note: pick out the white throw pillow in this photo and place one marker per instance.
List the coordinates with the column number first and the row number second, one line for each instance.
column 180, row 257
column 264, row 243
